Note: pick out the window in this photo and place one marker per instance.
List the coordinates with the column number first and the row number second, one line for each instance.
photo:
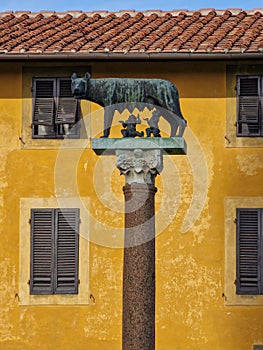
column 249, row 105
column 240, row 226
column 55, row 110
column 54, row 251
column 249, row 251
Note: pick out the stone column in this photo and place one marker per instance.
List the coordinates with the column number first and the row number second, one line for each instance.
column 140, row 168
column 140, row 160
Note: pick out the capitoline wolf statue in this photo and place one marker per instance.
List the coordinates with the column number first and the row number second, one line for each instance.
column 121, row 93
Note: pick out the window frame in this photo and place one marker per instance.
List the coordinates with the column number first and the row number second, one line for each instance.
column 50, row 70
column 231, row 298
column 57, row 126
column 232, row 71
column 83, row 296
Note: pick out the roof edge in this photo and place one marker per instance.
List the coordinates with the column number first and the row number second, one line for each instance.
column 131, row 56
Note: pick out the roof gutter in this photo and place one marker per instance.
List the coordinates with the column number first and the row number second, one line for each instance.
column 129, row 56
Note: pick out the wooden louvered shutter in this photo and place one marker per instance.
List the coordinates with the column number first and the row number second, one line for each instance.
column 248, row 251
column 42, row 243
column 248, row 88
column 66, row 103
column 67, row 227
column 43, row 101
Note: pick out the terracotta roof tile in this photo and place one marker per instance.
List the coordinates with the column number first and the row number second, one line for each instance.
column 180, row 31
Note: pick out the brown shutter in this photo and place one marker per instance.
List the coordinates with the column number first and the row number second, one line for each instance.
column 43, row 101
column 66, row 103
column 248, row 251
column 248, row 89
column 42, row 242
column 67, row 227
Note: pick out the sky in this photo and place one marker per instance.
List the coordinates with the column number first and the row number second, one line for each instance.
column 116, row 5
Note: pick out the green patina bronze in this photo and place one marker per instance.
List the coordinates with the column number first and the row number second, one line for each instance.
column 127, row 93
column 169, row 145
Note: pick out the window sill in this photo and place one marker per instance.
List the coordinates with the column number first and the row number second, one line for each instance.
column 58, row 299
column 31, row 144
column 233, row 141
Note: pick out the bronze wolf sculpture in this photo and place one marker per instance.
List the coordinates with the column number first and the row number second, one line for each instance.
column 121, row 93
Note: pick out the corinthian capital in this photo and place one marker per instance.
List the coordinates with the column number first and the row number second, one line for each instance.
column 139, row 166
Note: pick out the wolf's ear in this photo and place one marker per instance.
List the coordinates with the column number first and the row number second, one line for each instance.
column 87, row 76
column 74, row 76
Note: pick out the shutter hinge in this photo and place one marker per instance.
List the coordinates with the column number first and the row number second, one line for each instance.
column 235, row 124
column 29, row 221
column 235, row 282
column 226, row 138
column 92, row 298
column 28, row 282
column 235, row 87
column 20, row 138
column 224, row 296
column 235, row 221
column 78, row 281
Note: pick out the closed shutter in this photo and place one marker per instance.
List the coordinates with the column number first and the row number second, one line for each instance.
column 42, row 262
column 67, row 227
column 54, row 251
column 43, row 101
column 248, row 251
column 248, row 89
column 66, row 103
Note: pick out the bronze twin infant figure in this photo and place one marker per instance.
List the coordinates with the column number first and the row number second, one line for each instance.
column 130, row 126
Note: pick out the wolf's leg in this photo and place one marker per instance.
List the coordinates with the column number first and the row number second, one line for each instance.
column 108, row 117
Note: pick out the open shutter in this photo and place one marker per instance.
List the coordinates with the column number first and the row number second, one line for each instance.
column 67, row 242
column 66, row 103
column 248, row 251
column 42, row 243
column 248, row 88
column 43, row 101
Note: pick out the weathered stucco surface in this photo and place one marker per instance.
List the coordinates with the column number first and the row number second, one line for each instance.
column 191, row 308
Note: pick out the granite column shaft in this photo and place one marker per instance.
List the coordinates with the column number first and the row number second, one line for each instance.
column 139, row 268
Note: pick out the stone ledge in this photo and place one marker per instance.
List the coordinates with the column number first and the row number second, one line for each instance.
column 169, row 145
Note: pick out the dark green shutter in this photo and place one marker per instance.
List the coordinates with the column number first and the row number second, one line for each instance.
column 67, row 227
column 248, row 251
column 42, row 243
column 66, row 103
column 43, row 101
column 248, row 89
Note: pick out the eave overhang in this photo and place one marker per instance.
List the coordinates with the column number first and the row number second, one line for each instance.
column 129, row 56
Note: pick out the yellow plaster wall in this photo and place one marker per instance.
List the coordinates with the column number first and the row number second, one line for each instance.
column 191, row 298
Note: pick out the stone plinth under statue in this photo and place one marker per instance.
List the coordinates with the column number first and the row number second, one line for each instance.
column 169, row 145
